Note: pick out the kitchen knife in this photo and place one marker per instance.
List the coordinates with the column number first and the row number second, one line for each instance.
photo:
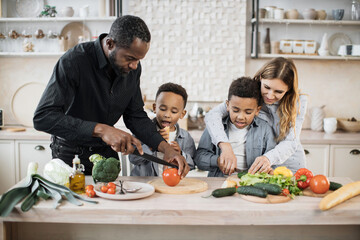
column 154, row 159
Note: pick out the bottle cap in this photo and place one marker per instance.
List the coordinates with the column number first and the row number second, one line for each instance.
column 76, row 160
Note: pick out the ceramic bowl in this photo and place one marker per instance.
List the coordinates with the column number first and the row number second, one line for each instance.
column 338, row 14
column 309, row 14
column 292, row 14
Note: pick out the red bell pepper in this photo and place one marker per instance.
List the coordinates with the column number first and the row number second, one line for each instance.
column 303, row 177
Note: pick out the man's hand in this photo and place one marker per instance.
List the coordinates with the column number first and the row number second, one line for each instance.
column 119, row 140
column 261, row 164
column 172, row 156
column 175, row 146
column 227, row 161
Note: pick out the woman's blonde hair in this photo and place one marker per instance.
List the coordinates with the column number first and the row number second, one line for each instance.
column 284, row 69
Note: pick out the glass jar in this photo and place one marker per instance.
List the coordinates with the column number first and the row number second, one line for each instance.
column 355, row 10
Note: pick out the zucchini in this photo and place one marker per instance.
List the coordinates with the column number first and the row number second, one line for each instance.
column 223, row 192
column 250, row 190
column 273, row 189
column 335, row 186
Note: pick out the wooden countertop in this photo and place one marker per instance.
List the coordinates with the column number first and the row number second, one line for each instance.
column 193, row 209
column 307, row 136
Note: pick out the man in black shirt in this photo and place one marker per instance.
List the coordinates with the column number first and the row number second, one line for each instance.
column 92, row 86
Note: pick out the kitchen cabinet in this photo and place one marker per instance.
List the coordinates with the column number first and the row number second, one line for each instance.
column 317, row 158
column 31, row 151
column 302, row 29
column 345, row 161
column 7, row 165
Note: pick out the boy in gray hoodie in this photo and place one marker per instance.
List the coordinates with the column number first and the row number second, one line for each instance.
column 249, row 136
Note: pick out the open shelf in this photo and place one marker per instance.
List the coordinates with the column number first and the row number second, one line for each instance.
column 57, row 19
column 304, row 21
column 297, row 56
column 31, row 54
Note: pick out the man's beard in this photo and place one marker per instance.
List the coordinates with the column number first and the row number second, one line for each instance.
column 118, row 70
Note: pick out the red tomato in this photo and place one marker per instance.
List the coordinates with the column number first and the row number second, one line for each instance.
column 319, row 184
column 91, row 187
column 90, row 193
column 104, row 189
column 111, row 191
column 111, row 185
column 171, row 177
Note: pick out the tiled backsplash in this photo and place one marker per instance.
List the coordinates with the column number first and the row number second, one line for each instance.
column 198, row 44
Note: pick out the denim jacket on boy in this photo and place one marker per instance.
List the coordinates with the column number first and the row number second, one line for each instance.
column 143, row 167
column 259, row 139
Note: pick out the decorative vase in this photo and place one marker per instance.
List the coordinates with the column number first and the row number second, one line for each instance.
column 317, row 118
column 67, row 12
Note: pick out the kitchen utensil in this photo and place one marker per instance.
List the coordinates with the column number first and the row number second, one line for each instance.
column 24, row 102
column 67, row 11
column 336, row 40
column 145, row 191
column 298, row 46
column 1, row 118
column 270, row 11
column 317, row 116
column 279, row 13
column 28, row 8
column 73, row 31
column 124, row 190
column 349, row 126
column 309, row 14
column 286, row 46
column 185, row 186
column 338, row 14
column 321, row 14
column 330, row 125
column 310, row 47
column 292, row 14
column 84, row 11
column 154, row 159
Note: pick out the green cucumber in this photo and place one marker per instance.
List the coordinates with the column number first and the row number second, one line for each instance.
column 334, row 186
column 273, row 189
column 223, row 192
column 250, row 190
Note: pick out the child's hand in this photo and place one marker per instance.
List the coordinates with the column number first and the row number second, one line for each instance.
column 261, row 164
column 175, row 146
column 227, row 159
column 164, row 132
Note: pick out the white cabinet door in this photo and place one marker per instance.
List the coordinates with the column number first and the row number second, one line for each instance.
column 32, row 151
column 345, row 161
column 7, row 163
column 317, row 158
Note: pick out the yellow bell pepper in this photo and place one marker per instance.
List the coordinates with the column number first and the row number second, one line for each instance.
column 283, row 171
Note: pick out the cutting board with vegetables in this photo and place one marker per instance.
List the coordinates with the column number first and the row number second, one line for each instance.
column 185, row 186
column 307, row 192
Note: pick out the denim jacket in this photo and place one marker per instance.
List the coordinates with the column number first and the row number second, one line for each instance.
column 143, row 167
column 259, row 139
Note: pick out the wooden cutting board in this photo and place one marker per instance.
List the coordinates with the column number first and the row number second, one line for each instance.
column 269, row 199
column 307, row 192
column 186, row 186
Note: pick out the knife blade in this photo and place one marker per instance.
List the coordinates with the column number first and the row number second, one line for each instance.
column 154, row 159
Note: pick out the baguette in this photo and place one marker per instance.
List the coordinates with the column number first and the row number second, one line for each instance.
column 341, row 195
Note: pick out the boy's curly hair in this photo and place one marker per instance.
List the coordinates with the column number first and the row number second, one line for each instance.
column 245, row 87
column 174, row 88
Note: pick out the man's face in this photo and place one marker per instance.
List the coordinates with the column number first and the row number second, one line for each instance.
column 242, row 110
column 124, row 60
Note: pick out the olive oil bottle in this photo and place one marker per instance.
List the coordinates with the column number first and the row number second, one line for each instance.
column 77, row 177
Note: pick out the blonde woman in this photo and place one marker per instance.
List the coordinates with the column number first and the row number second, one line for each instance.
column 284, row 109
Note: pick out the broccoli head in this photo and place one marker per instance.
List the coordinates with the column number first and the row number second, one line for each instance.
column 105, row 169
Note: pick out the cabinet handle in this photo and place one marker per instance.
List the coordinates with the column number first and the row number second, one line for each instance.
column 39, row 148
column 354, row 152
column 306, row 152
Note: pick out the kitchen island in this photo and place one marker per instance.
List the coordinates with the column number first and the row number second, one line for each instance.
column 190, row 216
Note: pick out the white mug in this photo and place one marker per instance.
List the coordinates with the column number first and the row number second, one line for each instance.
column 84, row 11
column 330, row 125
